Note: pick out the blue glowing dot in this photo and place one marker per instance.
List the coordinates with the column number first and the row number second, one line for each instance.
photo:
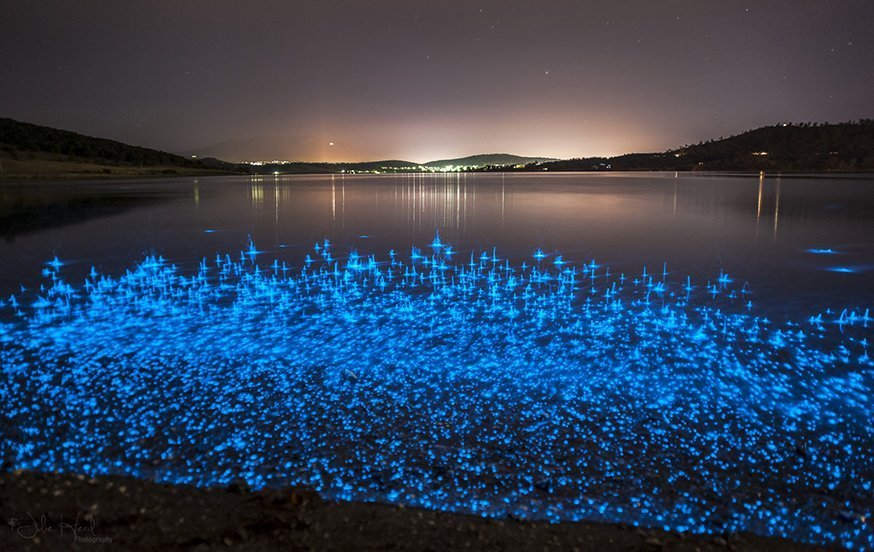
column 482, row 386
column 55, row 263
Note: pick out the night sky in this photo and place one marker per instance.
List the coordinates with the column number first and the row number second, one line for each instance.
column 426, row 80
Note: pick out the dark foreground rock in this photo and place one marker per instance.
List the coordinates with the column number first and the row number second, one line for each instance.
column 68, row 512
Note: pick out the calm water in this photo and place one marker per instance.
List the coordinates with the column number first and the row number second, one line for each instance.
column 708, row 372
column 758, row 230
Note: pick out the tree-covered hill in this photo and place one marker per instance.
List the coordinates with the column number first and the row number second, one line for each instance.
column 35, row 151
column 794, row 147
column 17, row 137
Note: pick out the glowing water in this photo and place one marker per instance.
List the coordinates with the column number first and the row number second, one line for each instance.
column 546, row 390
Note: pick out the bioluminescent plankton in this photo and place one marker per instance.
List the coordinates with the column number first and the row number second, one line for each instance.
column 461, row 381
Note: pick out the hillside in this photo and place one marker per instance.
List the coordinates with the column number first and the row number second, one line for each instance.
column 487, row 159
column 791, row 147
column 28, row 150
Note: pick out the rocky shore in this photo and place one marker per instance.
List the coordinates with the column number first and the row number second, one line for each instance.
column 72, row 512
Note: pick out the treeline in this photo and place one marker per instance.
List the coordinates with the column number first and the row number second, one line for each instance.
column 791, row 147
column 18, row 139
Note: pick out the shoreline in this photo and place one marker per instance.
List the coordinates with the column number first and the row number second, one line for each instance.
column 160, row 173
column 64, row 511
column 84, row 176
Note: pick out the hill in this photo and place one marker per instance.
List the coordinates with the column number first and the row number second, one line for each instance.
column 28, row 150
column 791, row 147
column 487, row 159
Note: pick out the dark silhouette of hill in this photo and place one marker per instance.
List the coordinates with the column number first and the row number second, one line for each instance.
column 34, row 150
column 487, row 159
column 791, row 147
column 16, row 136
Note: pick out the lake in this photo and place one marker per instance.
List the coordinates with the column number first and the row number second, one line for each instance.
column 761, row 231
column 675, row 350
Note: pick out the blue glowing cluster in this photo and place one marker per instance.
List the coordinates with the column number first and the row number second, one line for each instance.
column 544, row 389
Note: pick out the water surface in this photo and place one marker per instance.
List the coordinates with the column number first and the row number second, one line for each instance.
column 759, row 230
column 681, row 351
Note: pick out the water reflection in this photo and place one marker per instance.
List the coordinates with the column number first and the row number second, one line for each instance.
column 759, row 202
column 421, row 203
column 30, row 207
column 425, row 202
column 776, row 207
column 696, row 223
column 257, row 193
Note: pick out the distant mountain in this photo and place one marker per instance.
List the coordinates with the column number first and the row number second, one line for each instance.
column 795, row 147
column 301, row 149
column 492, row 161
column 299, row 167
column 487, row 159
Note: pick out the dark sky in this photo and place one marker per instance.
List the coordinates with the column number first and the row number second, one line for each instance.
column 425, row 80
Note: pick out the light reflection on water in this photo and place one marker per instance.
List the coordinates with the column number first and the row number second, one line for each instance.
column 759, row 228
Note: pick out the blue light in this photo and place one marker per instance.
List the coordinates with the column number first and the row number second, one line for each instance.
column 55, row 263
column 551, row 391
